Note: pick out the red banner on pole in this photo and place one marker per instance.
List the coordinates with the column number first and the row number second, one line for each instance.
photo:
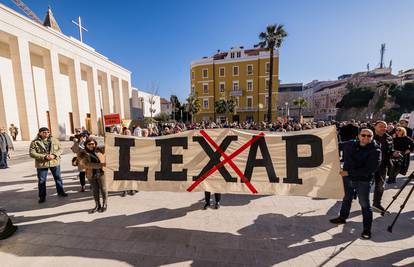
column 112, row 119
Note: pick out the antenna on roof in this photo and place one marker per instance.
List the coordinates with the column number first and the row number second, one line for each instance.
column 368, row 67
column 382, row 51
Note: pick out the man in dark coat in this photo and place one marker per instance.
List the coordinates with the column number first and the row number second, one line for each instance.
column 387, row 151
column 361, row 159
column 6, row 146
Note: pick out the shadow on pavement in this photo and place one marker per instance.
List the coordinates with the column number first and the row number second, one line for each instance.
column 270, row 239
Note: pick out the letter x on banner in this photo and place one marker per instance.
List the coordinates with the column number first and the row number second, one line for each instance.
column 227, row 159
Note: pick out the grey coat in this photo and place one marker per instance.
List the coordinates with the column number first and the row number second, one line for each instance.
column 6, row 143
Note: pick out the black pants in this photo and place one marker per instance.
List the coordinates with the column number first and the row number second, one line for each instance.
column 379, row 179
column 207, row 195
column 98, row 185
column 3, row 160
column 82, row 178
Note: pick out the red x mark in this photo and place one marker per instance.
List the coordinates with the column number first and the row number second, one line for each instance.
column 227, row 159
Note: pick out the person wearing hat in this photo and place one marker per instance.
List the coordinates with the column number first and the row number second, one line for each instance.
column 46, row 151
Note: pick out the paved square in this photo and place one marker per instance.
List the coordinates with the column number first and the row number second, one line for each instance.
column 164, row 228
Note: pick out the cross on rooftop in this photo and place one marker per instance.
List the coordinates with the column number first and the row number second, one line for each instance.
column 79, row 24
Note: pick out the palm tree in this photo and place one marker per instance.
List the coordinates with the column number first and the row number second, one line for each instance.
column 271, row 39
column 193, row 106
column 301, row 102
column 220, row 106
column 225, row 106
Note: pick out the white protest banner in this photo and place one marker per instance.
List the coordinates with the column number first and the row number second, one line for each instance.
column 304, row 163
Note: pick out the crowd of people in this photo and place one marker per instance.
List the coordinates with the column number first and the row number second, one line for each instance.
column 370, row 151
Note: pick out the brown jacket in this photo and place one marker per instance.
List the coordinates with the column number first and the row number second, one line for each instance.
column 85, row 162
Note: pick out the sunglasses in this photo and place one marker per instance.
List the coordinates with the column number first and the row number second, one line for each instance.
column 91, row 144
column 398, row 130
column 366, row 135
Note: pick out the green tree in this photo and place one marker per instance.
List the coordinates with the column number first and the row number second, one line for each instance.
column 220, row 106
column 272, row 38
column 193, row 106
column 356, row 97
column 301, row 103
column 225, row 106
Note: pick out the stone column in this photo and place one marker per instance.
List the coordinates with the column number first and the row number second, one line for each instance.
column 98, row 96
column 74, row 81
column 26, row 99
column 52, row 82
column 126, row 96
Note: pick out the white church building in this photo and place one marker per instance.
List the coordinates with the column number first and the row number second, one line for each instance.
column 50, row 79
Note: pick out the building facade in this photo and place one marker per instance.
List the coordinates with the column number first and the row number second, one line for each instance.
column 146, row 105
column 50, row 79
column 406, row 76
column 323, row 96
column 239, row 74
column 166, row 106
column 287, row 94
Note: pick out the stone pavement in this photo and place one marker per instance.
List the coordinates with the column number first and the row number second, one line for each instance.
column 164, row 228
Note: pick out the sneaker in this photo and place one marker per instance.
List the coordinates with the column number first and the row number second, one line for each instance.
column 206, row 206
column 366, row 234
column 63, row 194
column 42, row 199
column 338, row 220
column 378, row 207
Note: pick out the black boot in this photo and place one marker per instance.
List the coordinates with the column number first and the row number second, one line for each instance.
column 104, row 206
column 96, row 208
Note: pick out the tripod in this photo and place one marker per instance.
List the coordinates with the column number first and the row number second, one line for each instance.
column 410, row 178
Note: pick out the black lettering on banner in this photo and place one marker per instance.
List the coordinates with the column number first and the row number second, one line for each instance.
column 266, row 161
column 168, row 159
column 293, row 162
column 215, row 157
column 124, row 172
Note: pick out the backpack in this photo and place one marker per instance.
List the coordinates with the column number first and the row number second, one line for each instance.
column 6, row 226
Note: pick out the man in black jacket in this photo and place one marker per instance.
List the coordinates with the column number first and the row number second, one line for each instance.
column 387, row 151
column 361, row 159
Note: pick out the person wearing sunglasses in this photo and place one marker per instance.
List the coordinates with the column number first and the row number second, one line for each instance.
column 404, row 145
column 93, row 161
column 362, row 157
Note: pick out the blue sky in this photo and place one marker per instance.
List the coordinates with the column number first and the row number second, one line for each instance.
column 157, row 40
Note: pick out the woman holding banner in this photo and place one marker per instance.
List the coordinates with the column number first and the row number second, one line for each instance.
column 93, row 162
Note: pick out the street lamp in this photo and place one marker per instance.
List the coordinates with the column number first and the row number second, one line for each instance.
column 100, row 106
column 287, row 110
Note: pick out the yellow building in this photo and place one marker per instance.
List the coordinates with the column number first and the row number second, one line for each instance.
column 241, row 74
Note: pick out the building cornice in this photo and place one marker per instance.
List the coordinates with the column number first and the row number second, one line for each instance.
column 57, row 34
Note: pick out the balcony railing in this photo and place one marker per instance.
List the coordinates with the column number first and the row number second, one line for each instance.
column 241, row 109
column 236, row 92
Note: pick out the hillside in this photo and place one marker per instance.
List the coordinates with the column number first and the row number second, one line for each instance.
column 380, row 101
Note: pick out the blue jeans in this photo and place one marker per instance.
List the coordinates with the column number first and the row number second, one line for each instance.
column 362, row 189
column 3, row 160
column 42, row 175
